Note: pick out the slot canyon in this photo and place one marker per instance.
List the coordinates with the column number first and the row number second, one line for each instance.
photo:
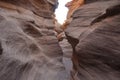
column 34, row 46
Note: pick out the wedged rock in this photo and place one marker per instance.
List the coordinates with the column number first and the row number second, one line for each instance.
column 29, row 49
column 94, row 35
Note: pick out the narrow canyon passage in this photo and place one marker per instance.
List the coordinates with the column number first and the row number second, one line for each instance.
column 60, row 16
column 34, row 46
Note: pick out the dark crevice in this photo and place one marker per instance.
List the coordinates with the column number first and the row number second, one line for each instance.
column 112, row 11
column 1, row 50
column 72, row 41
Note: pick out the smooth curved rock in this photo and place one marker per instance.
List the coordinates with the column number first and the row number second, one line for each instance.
column 94, row 35
column 29, row 49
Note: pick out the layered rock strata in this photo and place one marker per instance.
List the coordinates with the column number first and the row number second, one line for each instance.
column 94, row 34
column 29, row 49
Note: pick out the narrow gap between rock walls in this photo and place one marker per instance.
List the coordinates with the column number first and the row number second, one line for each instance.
column 61, row 14
column 61, row 11
column 63, row 18
column 60, row 17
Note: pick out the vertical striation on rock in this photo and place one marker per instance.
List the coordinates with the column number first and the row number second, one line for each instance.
column 94, row 35
column 29, row 49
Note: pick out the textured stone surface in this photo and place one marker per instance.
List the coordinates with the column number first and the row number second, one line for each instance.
column 94, row 35
column 29, row 49
column 67, row 54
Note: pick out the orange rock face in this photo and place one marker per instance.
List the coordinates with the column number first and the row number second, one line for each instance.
column 72, row 6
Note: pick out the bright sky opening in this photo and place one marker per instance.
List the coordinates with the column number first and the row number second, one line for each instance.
column 61, row 11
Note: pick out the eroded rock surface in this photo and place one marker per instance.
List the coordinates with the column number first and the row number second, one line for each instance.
column 29, row 49
column 95, row 37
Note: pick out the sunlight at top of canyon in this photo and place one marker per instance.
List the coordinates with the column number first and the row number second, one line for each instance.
column 61, row 11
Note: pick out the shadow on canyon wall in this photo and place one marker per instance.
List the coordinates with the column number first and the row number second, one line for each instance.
column 29, row 49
